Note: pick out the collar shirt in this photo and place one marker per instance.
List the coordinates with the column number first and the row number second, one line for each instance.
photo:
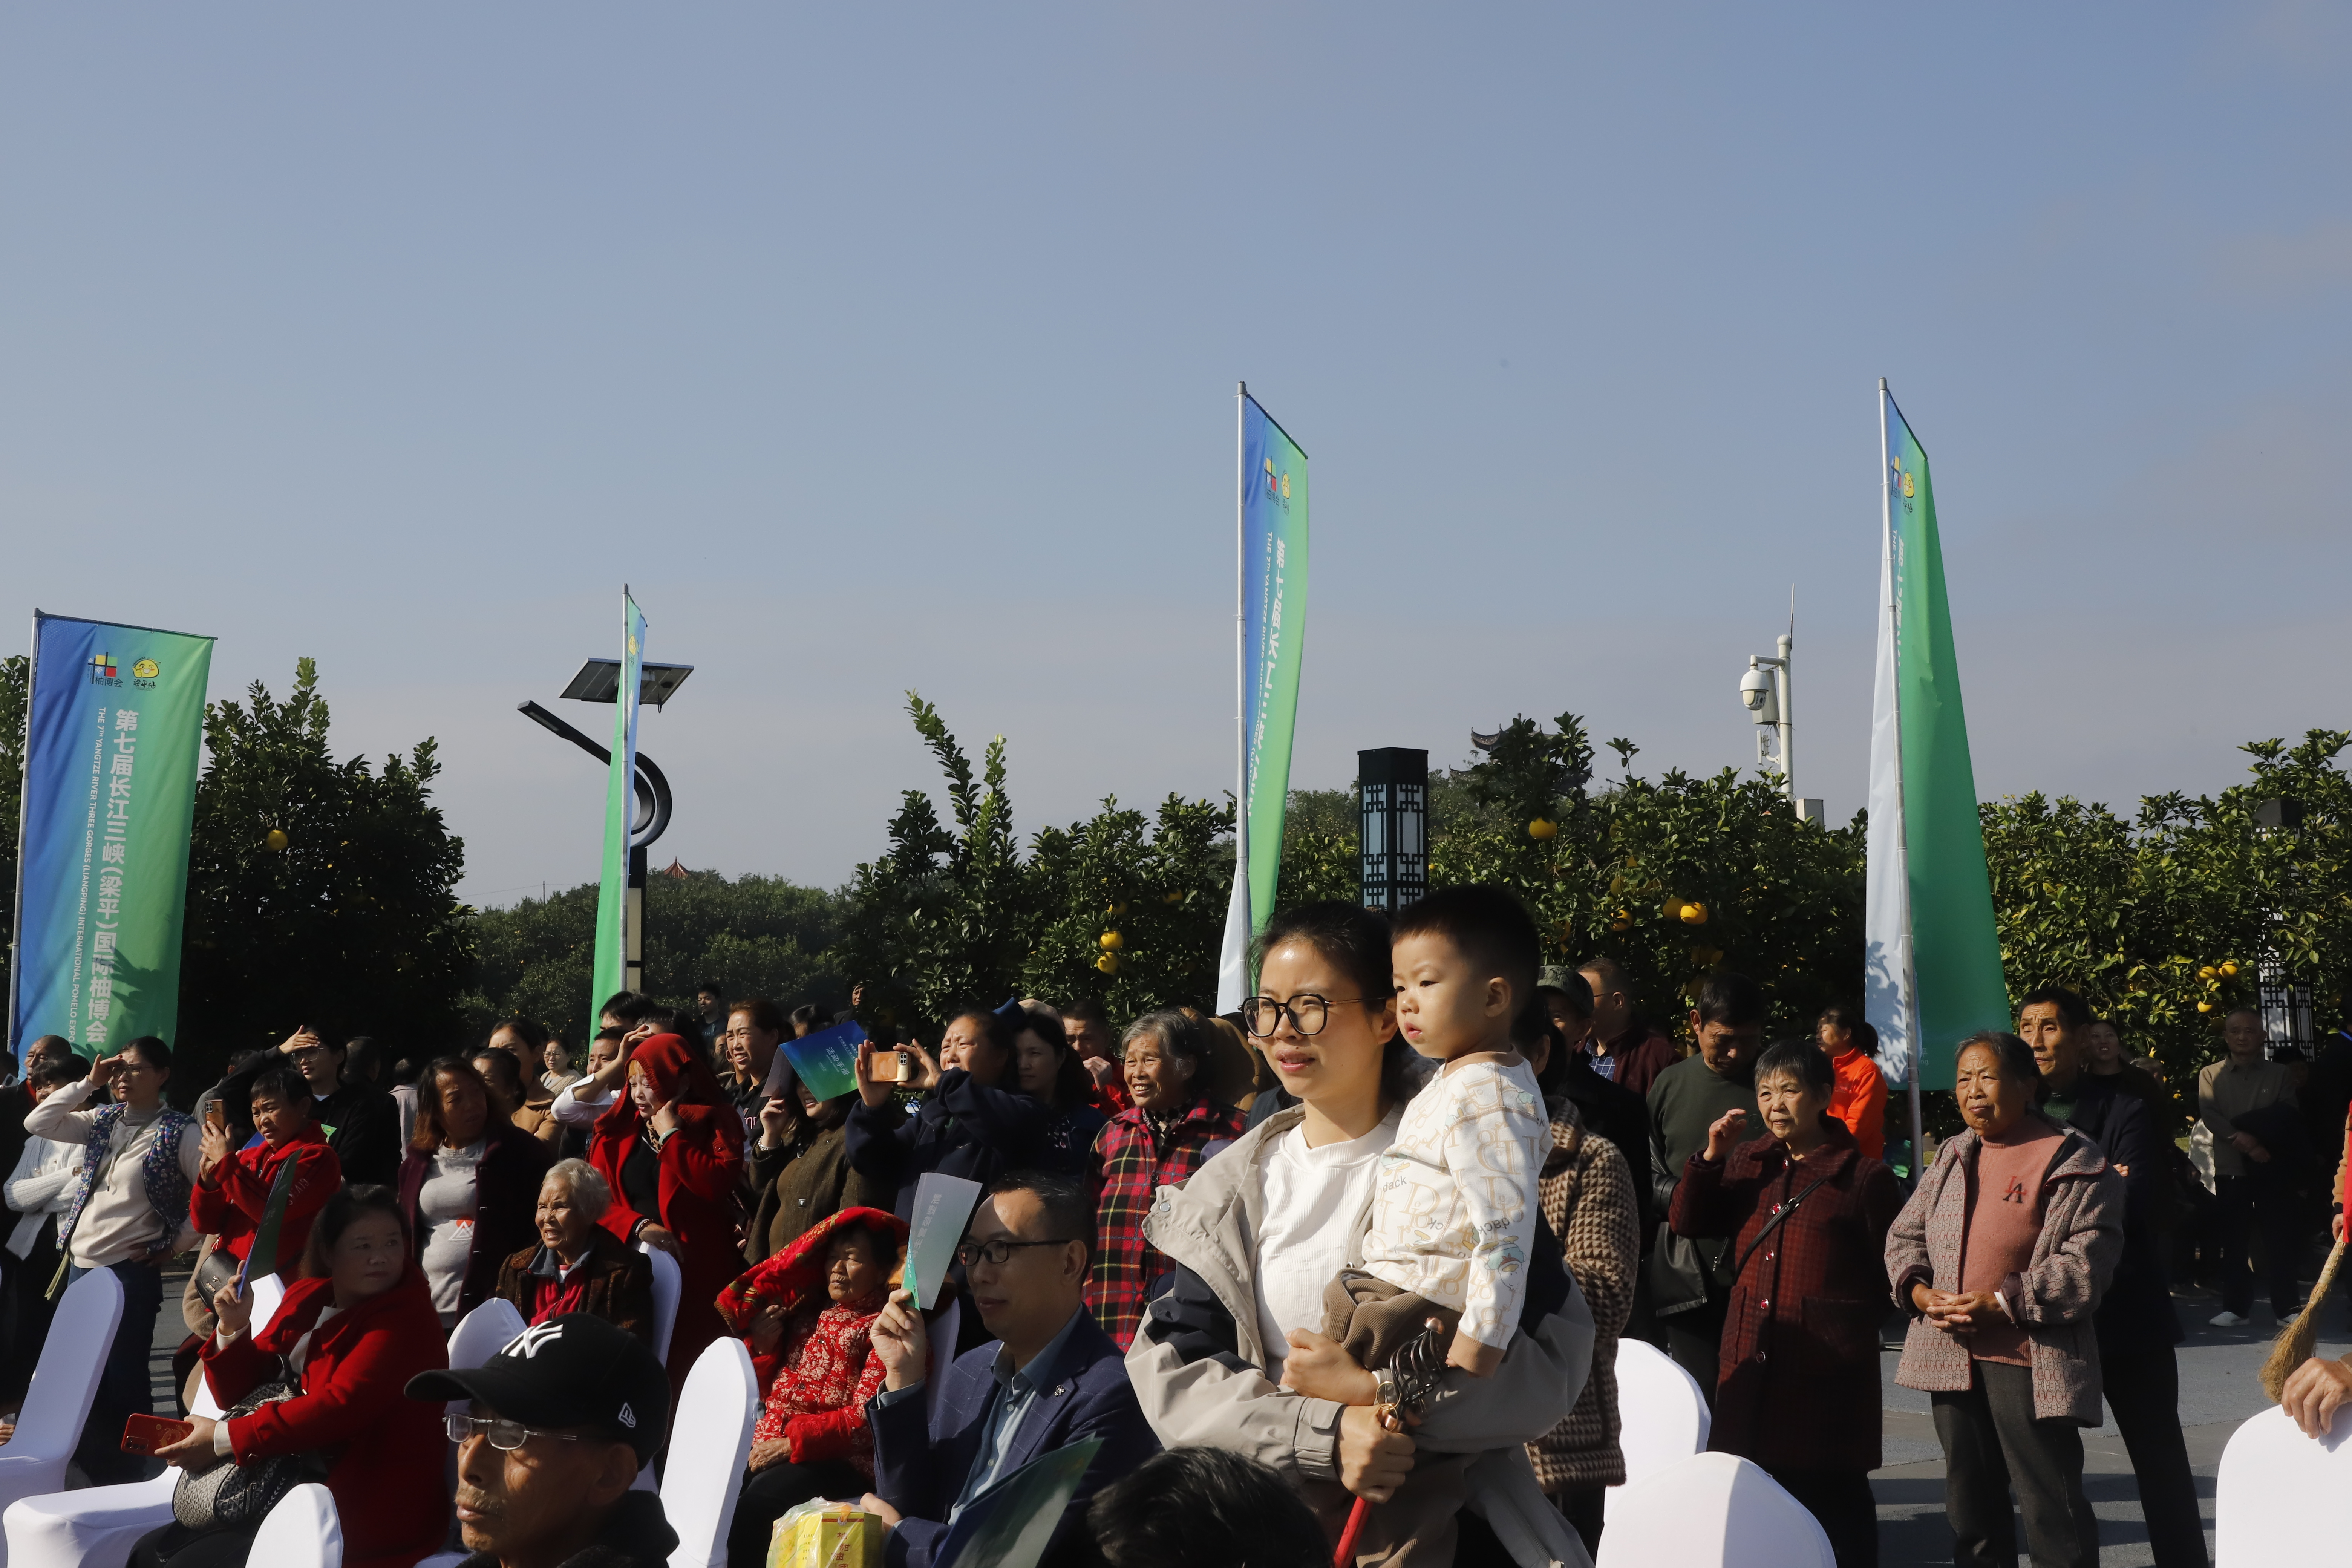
column 1016, row 1392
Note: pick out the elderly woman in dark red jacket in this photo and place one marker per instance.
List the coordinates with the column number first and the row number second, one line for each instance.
column 672, row 1150
column 1808, row 1213
column 352, row 1333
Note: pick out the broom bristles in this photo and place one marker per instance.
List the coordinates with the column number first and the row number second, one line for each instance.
column 2295, row 1341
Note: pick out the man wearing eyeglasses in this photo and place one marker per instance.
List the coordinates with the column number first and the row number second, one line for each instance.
column 559, row 1422
column 1052, row 1378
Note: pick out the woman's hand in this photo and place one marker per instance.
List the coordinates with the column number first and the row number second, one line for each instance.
column 194, row 1451
column 305, row 1038
column 775, row 1117
column 214, row 1145
column 234, row 1311
column 1724, row 1132
column 902, row 1342
column 664, row 1118
column 1319, row 1368
column 1373, row 1461
column 659, row 1236
column 766, row 1332
column 1942, row 1309
column 879, row 1509
column 2314, row 1392
column 1103, row 1070
column 922, row 1068
column 772, row 1451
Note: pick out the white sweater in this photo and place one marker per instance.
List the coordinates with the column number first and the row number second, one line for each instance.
column 42, row 1184
column 117, row 1226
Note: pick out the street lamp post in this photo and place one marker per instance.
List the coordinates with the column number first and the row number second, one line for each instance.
column 599, row 680
column 1393, row 832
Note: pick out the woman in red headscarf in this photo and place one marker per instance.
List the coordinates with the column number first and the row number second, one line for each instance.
column 672, row 1149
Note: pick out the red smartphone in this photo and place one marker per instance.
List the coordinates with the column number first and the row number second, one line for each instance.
column 144, row 1435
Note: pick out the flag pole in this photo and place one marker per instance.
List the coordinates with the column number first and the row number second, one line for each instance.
column 1918, row 1047
column 1241, row 658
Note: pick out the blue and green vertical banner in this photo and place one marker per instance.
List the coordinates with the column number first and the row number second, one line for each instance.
column 1273, row 518
column 1931, row 957
column 612, row 967
column 113, row 727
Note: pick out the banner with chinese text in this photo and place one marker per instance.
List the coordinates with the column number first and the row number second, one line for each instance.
column 114, row 722
column 610, row 973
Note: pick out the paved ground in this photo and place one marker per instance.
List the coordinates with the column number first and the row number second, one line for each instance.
column 2218, row 1389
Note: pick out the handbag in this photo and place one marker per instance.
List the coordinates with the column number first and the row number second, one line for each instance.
column 215, row 1269
column 230, row 1494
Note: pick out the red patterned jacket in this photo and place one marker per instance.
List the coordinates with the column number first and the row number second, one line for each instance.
column 825, row 1372
column 1134, row 1165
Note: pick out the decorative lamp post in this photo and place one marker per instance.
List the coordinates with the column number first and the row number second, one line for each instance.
column 1394, row 829
column 599, row 680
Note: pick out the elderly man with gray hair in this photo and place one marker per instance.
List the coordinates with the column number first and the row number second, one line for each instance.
column 578, row 1265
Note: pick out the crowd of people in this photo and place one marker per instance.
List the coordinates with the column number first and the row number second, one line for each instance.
column 1414, row 1170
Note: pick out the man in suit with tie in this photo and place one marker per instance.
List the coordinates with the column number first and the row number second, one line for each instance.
column 1051, row 1378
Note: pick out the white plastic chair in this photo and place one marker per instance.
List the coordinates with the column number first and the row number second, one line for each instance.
column 668, row 1285
column 1663, row 1418
column 1711, row 1510
column 2280, row 1498
column 65, row 1381
column 98, row 1526
column 302, row 1531
column 711, row 1439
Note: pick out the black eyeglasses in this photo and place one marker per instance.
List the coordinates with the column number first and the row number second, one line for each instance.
column 999, row 1252
column 504, row 1435
column 1309, row 1013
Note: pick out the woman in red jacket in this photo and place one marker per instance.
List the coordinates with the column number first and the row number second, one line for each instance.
column 354, row 1332
column 672, row 1150
column 808, row 1316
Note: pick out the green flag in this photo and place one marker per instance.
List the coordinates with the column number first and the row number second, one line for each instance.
column 1932, row 971
column 611, row 969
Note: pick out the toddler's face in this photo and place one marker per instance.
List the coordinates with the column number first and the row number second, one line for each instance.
column 1444, row 1006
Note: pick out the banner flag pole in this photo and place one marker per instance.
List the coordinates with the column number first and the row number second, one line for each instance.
column 609, row 972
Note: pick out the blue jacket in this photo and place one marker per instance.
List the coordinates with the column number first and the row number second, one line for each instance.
column 921, row 1470
column 2138, row 1311
column 960, row 1129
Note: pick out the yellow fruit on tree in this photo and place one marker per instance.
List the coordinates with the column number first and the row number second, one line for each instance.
column 1542, row 827
column 1617, row 883
column 2204, row 1007
column 1112, row 942
column 276, row 838
column 2207, row 972
column 1173, row 898
column 1693, row 914
column 2231, row 969
column 1108, row 963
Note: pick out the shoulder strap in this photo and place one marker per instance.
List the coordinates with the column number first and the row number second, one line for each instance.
column 1772, row 1224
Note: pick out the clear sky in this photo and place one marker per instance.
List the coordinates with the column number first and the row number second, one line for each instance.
column 891, row 347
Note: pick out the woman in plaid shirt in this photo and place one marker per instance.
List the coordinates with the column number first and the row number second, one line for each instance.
column 1174, row 1124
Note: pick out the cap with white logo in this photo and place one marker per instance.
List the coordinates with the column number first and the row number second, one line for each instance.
column 572, row 1373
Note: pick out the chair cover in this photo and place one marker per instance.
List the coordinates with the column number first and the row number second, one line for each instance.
column 1663, row 1415
column 65, row 1381
column 302, row 1531
column 709, row 1442
column 2281, row 1498
column 1711, row 1510
column 667, row 1284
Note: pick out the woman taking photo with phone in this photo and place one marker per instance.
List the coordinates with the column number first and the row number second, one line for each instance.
column 973, row 1119
column 348, row 1336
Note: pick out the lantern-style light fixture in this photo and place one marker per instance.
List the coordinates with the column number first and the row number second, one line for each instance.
column 1394, row 829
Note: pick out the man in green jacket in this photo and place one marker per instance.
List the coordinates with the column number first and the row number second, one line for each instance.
column 1690, row 1282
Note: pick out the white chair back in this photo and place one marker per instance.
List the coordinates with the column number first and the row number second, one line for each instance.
column 2282, row 1498
column 942, row 1332
column 65, row 1379
column 483, row 1333
column 668, row 1284
column 1663, row 1418
column 1711, row 1510
column 709, row 1440
column 302, row 1531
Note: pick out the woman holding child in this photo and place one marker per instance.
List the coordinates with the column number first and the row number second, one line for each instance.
column 1233, row 1355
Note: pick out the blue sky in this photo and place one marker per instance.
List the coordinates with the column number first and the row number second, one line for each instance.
column 896, row 349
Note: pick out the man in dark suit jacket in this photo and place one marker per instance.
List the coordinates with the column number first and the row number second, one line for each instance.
column 1051, row 1378
column 2135, row 1324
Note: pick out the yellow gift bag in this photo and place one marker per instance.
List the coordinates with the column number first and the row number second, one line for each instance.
column 820, row 1534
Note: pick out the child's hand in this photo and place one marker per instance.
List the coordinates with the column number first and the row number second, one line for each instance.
column 1473, row 1356
column 1319, row 1369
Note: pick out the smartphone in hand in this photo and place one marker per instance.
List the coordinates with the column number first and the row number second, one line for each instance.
column 143, row 1434
column 889, row 1066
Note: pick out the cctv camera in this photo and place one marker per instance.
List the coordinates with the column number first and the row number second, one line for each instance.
column 1755, row 689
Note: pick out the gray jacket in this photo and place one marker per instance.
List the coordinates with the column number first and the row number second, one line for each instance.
column 1472, row 1439
column 2074, row 1257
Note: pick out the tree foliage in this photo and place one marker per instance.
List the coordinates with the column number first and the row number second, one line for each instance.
column 757, row 936
column 350, row 922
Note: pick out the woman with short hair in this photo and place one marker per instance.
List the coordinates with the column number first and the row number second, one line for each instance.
column 973, row 1119
column 2002, row 1257
column 578, row 1266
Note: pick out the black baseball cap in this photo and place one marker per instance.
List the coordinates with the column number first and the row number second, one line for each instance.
column 575, row 1371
